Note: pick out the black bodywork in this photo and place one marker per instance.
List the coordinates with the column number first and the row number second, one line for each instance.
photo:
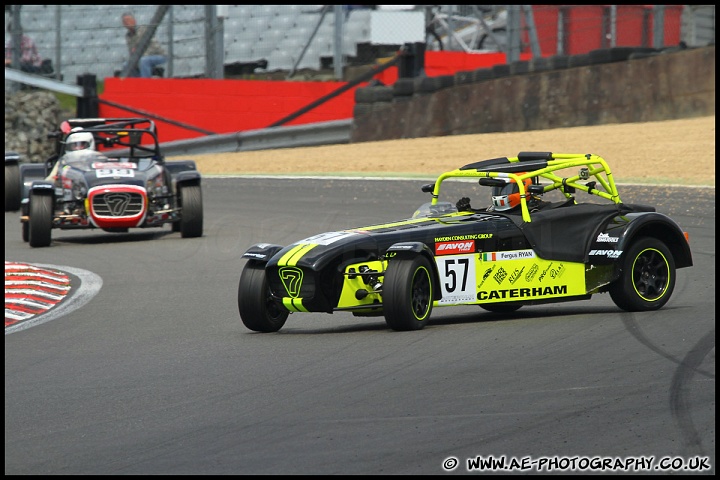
column 124, row 183
column 562, row 251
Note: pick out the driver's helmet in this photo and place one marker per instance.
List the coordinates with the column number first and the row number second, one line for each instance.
column 506, row 197
column 79, row 140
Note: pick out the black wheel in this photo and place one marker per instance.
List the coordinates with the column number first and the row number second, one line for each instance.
column 408, row 293
column 39, row 230
column 191, row 215
column 12, row 187
column 648, row 276
column 258, row 311
column 500, row 307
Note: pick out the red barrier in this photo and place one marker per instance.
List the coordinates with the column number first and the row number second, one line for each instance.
column 449, row 63
column 586, row 27
column 222, row 106
column 227, row 106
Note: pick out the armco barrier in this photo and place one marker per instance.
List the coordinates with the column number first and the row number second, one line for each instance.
column 322, row 133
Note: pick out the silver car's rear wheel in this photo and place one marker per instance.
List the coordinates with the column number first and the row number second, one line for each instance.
column 13, row 188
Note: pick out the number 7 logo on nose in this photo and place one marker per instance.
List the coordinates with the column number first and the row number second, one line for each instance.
column 292, row 280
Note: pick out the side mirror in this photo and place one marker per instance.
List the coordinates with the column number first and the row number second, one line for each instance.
column 491, row 182
column 50, row 163
column 536, row 189
column 428, row 188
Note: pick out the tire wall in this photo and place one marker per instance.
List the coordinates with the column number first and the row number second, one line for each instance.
column 664, row 86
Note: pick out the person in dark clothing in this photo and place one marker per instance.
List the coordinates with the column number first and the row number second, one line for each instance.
column 154, row 54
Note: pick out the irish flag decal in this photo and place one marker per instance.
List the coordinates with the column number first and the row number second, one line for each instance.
column 489, row 257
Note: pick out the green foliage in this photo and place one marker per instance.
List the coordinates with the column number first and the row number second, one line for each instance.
column 69, row 102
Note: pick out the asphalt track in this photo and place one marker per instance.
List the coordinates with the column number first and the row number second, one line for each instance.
column 155, row 373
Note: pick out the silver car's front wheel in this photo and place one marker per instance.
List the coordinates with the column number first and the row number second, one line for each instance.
column 40, row 221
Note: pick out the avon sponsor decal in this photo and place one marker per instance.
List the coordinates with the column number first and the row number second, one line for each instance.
column 449, row 248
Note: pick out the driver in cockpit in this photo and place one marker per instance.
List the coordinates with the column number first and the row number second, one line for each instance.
column 77, row 141
column 506, row 198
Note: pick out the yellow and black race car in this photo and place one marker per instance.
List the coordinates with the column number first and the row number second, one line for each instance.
column 525, row 248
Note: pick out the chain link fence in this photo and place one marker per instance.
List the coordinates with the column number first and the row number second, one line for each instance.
column 217, row 41
column 200, row 40
column 81, row 39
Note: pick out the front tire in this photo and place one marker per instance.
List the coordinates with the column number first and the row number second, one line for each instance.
column 39, row 231
column 647, row 278
column 258, row 311
column 191, row 216
column 13, row 187
column 408, row 293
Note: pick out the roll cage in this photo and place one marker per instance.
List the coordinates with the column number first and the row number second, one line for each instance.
column 131, row 138
column 594, row 176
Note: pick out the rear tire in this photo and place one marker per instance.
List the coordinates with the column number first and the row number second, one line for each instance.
column 500, row 307
column 258, row 311
column 13, row 188
column 191, row 215
column 39, row 231
column 408, row 293
column 647, row 279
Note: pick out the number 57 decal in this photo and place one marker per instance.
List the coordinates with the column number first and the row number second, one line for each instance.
column 457, row 278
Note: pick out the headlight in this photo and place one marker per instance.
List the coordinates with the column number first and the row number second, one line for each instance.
column 72, row 183
column 155, row 185
column 79, row 190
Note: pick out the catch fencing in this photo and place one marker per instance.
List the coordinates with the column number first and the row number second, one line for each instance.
column 217, row 41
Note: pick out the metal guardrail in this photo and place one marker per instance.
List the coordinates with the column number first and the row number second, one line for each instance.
column 42, row 82
column 309, row 135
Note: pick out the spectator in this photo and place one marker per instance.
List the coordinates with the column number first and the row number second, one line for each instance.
column 30, row 60
column 154, row 54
